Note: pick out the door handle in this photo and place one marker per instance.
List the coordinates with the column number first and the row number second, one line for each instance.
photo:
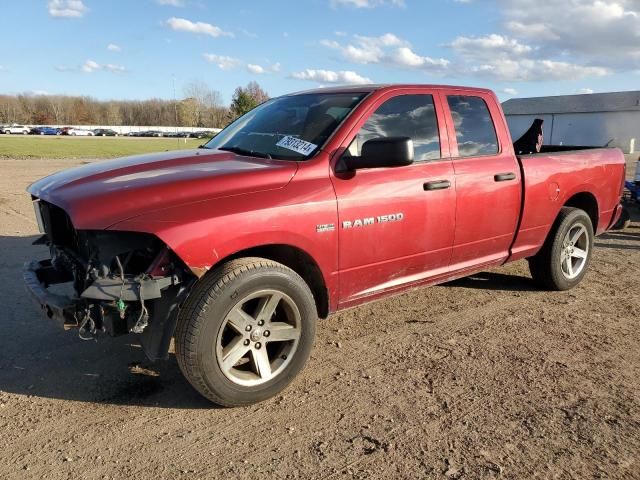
column 503, row 177
column 436, row 185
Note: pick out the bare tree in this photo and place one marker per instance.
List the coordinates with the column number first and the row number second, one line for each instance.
column 257, row 93
column 57, row 108
column 206, row 101
column 203, row 109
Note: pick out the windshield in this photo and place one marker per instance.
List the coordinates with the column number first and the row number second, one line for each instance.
column 292, row 127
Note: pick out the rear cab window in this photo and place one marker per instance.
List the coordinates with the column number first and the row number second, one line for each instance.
column 473, row 125
column 411, row 116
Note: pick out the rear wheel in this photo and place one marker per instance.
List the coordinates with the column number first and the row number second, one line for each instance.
column 246, row 331
column 563, row 260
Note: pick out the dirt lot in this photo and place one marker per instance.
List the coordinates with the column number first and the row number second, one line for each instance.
column 486, row 377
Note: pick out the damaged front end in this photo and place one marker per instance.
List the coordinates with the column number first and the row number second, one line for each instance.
column 119, row 282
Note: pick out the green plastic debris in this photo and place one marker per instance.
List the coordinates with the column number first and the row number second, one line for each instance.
column 121, row 306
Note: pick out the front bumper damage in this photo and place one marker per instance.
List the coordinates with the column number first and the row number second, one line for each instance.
column 70, row 311
column 115, row 282
column 113, row 306
column 60, row 308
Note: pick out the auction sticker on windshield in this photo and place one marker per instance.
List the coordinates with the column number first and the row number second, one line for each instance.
column 296, row 144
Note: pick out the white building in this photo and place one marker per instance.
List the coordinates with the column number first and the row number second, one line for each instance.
column 585, row 120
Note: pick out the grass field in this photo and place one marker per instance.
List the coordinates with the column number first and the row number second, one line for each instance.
column 34, row 146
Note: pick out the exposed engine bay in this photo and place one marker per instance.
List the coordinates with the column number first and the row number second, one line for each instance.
column 123, row 282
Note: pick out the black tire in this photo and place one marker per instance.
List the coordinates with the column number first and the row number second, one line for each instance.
column 202, row 324
column 546, row 266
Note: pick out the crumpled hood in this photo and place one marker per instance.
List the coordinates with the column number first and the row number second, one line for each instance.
column 100, row 194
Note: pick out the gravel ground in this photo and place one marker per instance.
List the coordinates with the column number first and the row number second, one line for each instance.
column 485, row 377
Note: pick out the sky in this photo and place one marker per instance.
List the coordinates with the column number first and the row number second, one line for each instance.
column 140, row 49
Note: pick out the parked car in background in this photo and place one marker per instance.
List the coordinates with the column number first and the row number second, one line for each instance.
column 105, row 132
column 151, row 133
column 201, row 134
column 176, row 134
column 80, row 132
column 44, row 131
column 16, row 129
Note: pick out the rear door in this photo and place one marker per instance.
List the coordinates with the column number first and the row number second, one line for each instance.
column 487, row 177
column 396, row 225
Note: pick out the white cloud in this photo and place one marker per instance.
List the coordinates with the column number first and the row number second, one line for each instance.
column 405, row 57
column 329, row 76
column 171, row 3
column 594, row 32
column 508, row 59
column 489, row 46
column 112, row 47
column 256, row 69
column 494, row 56
column 366, row 3
column 67, row 8
column 535, row 70
column 223, row 62
column 37, row 93
column 585, row 91
column 385, row 49
column 365, row 49
column 91, row 66
column 510, row 91
column 202, row 28
column 114, row 68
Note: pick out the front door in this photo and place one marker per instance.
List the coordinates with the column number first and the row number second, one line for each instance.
column 396, row 225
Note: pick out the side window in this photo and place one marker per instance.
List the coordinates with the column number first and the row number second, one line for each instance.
column 474, row 127
column 403, row 116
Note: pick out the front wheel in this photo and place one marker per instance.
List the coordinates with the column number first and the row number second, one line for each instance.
column 563, row 260
column 245, row 331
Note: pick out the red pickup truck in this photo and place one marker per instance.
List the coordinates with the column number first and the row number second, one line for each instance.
column 309, row 204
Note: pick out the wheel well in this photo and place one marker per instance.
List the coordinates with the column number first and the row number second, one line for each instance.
column 587, row 202
column 300, row 262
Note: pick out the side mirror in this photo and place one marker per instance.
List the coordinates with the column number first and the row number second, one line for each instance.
column 383, row 152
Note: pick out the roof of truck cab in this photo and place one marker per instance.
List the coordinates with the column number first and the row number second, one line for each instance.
column 368, row 88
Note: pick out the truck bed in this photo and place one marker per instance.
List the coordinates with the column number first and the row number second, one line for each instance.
column 550, row 181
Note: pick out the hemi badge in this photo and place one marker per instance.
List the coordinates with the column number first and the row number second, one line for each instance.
column 326, row 227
